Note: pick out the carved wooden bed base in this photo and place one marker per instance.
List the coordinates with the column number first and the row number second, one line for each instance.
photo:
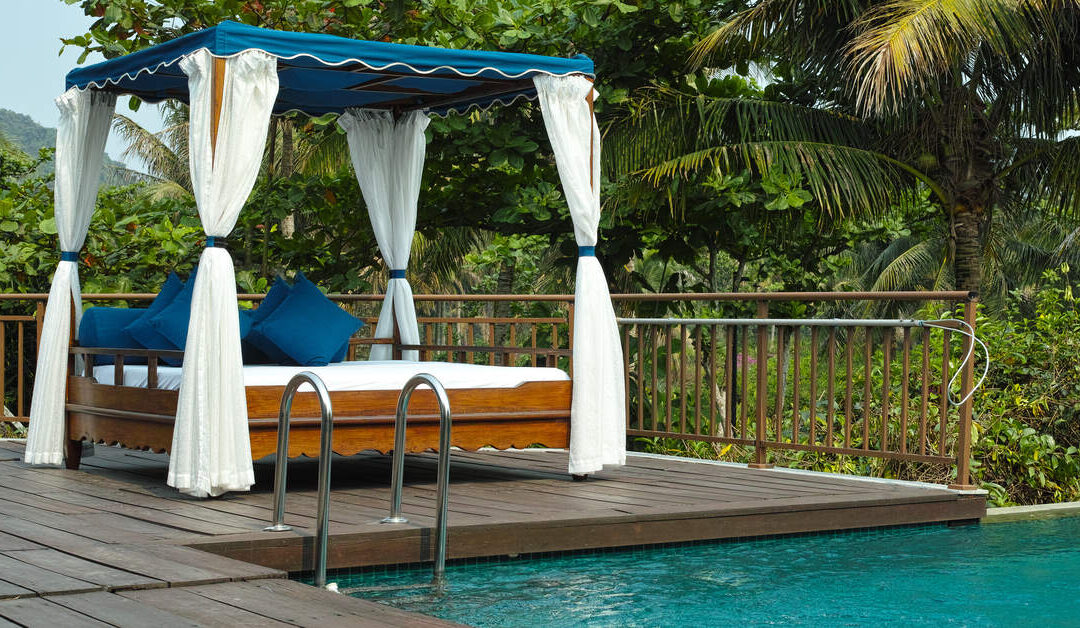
column 142, row 418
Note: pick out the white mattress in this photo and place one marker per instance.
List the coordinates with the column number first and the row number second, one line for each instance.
column 382, row 375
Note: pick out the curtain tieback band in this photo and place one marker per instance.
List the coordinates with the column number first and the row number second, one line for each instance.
column 586, row 251
column 397, row 273
column 69, row 256
column 216, row 241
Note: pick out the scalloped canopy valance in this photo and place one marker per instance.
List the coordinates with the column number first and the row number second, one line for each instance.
column 321, row 74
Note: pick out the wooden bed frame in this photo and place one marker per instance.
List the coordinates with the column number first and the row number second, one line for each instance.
column 142, row 418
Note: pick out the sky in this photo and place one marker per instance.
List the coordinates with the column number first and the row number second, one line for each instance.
column 31, row 73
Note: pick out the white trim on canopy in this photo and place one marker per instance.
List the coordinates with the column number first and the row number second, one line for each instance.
column 85, row 119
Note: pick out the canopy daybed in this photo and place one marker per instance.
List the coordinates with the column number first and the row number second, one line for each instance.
column 234, row 77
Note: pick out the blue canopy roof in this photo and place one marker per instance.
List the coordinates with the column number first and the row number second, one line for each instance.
column 320, row 74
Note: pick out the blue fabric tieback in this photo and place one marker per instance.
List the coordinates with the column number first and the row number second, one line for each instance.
column 69, row 256
column 212, row 241
column 397, row 274
column 586, row 251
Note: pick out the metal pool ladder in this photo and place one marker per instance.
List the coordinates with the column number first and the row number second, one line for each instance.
column 326, row 434
column 398, row 465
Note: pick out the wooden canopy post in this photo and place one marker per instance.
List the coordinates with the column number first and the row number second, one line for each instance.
column 216, row 95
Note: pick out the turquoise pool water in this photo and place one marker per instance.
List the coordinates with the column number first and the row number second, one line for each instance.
column 1003, row 574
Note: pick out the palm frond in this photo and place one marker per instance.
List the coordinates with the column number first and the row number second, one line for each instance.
column 163, row 159
column 900, row 46
column 784, row 27
column 323, row 153
column 668, row 123
column 441, row 256
column 1048, row 177
column 906, row 264
column 845, row 181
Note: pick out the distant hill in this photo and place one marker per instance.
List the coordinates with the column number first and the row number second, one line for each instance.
column 30, row 137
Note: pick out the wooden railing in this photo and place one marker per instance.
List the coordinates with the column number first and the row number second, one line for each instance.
column 20, row 329
column 877, row 389
column 763, row 390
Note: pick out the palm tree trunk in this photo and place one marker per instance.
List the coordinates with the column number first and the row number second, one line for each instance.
column 965, row 234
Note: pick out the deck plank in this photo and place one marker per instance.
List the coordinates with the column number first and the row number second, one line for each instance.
column 293, row 603
column 42, row 612
column 121, row 611
column 41, row 581
column 200, row 609
column 73, row 566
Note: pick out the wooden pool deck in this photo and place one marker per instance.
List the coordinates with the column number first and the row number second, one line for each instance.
column 111, row 543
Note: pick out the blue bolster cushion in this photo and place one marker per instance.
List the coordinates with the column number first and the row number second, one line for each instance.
column 106, row 327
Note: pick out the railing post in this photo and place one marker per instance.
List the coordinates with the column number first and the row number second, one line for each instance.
column 39, row 321
column 569, row 339
column 967, row 377
column 761, row 452
column 395, row 351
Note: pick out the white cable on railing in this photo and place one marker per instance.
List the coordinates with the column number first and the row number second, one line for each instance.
column 783, row 322
column 970, row 333
column 847, row 322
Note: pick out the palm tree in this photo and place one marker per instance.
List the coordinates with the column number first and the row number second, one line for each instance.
column 966, row 98
column 1020, row 247
column 164, row 153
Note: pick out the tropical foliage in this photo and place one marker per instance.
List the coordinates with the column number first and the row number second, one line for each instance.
column 877, row 100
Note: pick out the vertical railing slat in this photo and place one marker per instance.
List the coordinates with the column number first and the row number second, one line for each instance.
column 924, row 408
column 811, row 419
column 779, row 401
column 830, row 391
column 684, row 394
column 867, row 387
column 640, row 378
column 904, row 395
column 886, row 374
column 946, row 355
column 849, row 359
column 21, row 357
column 745, row 380
column 796, row 383
column 697, row 379
column 656, row 379
column 761, row 387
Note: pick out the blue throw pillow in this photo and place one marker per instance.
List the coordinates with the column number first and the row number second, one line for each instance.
column 257, row 349
column 105, row 327
column 339, row 355
column 142, row 329
column 308, row 327
column 172, row 321
column 246, row 322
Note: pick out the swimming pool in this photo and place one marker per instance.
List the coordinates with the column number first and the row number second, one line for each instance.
column 1000, row 574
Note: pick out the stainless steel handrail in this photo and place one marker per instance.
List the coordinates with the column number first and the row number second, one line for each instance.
column 398, row 466
column 326, row 433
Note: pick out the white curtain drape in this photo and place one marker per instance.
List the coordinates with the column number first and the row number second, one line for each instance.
column 388, row 158
column 597, row 412
column 85, row 118
column 211, row 450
